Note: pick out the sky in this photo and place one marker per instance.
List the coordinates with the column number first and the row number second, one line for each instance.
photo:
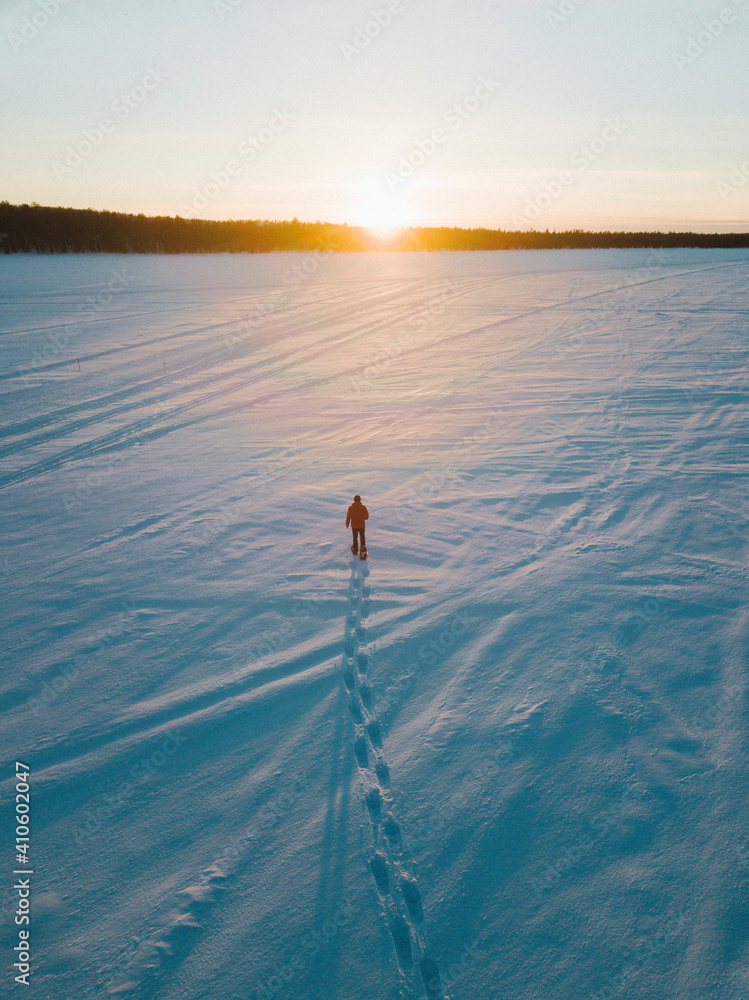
column 595, row 114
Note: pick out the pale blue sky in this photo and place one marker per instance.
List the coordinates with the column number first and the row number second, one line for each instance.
column 598, row 114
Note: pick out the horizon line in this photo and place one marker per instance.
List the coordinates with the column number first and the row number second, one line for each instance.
column 394, row 231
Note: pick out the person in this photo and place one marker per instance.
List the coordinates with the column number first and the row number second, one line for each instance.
column 357, row 515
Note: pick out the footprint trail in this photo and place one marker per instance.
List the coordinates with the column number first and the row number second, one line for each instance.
column 398, row 892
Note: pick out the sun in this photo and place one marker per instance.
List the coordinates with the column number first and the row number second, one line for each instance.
column 382, row 212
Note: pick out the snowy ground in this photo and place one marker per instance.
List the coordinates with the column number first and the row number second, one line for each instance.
column 504, row 758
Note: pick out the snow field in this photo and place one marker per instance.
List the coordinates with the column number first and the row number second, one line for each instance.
column 504, row 756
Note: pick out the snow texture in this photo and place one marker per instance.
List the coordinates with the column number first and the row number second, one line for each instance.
column 504, row 757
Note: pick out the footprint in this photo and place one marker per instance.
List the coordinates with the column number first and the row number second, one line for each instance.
column 374, row 804
column 361, row 633
column 393, row 833
column 383, row 772
column 375, row 733
column 431, row 976
column 348, row 676
column 413, row 900
column 402, row 940
column 362, row 662
column 355, row 712
column 360, row 749
column 348, row 647
column 380, row 871
column 170, row 943
column 365, row 610
column 366, row 695
column 366, row 591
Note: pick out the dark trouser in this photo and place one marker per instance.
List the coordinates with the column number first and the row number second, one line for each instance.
column 360, row 532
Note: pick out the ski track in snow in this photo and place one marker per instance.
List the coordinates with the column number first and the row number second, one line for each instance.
column 374, row 318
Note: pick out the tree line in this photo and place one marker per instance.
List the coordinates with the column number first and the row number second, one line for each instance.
column 40, row 229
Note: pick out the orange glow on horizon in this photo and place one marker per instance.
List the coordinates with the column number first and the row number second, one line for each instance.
column 382, row 213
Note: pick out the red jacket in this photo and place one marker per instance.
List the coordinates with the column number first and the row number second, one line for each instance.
column 357, row 515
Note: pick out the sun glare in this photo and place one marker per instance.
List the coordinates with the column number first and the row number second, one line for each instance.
column 382, row 213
